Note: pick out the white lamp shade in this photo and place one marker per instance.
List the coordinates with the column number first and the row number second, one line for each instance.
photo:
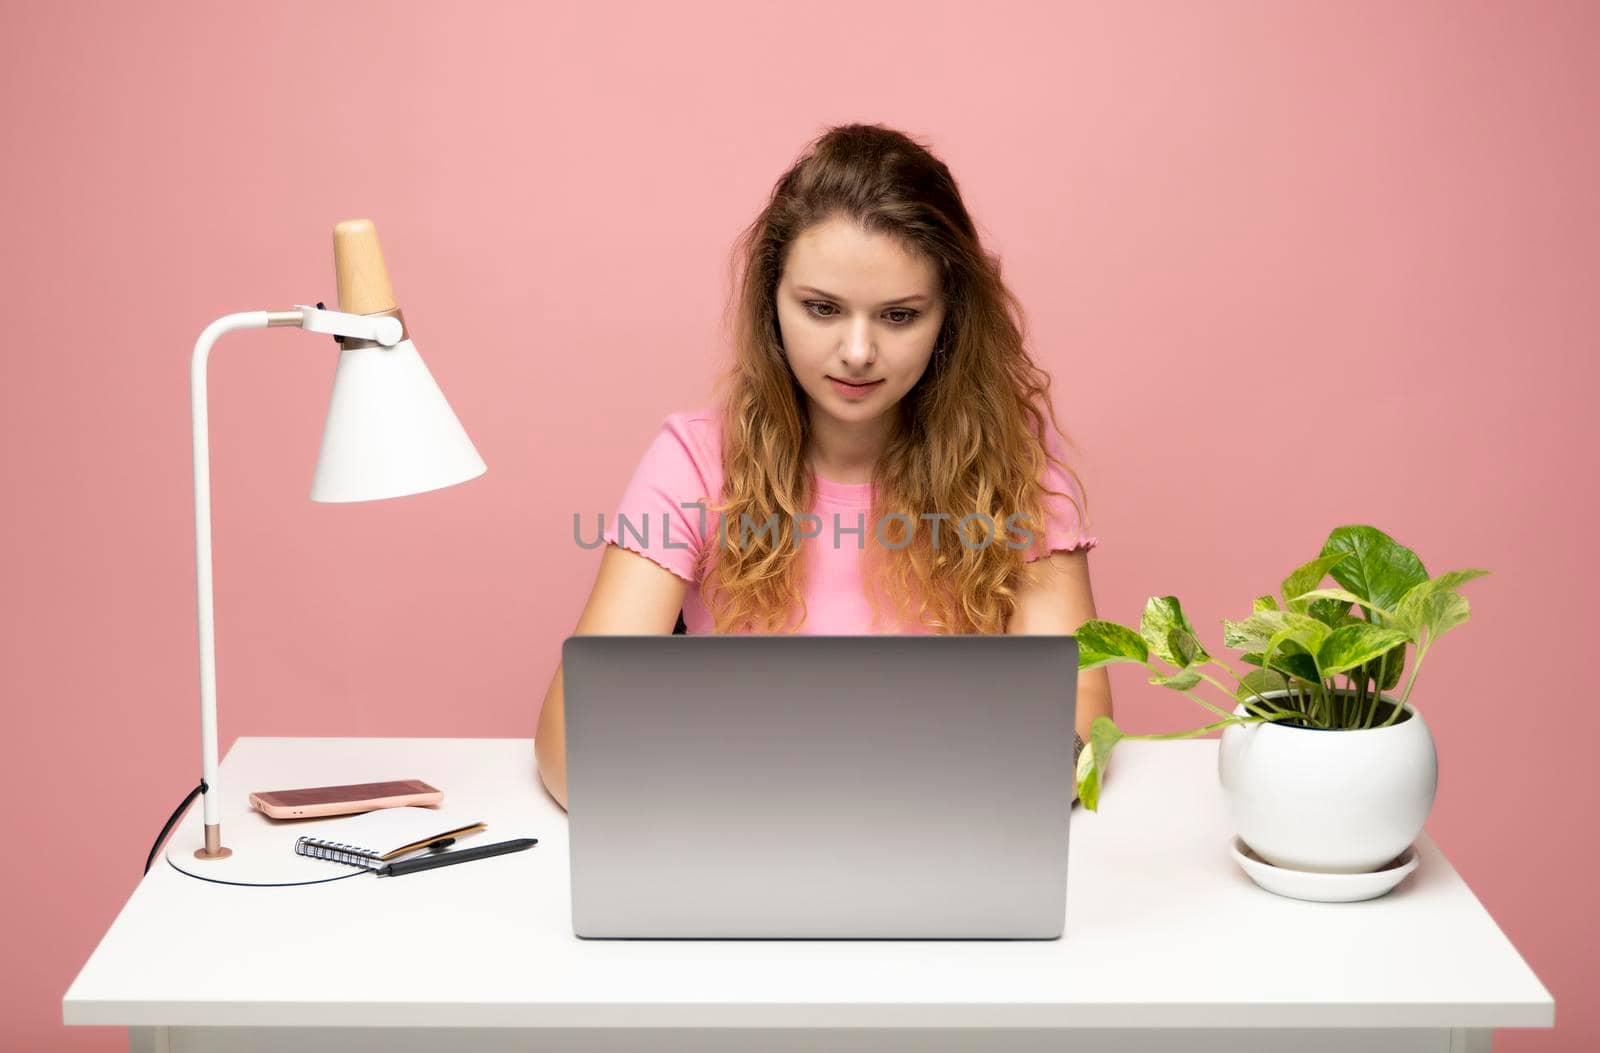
column 389, row 431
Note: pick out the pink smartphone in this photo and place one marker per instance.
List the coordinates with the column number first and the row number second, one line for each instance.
column 342, row 800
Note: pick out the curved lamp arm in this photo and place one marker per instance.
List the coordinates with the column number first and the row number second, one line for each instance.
column 384, row 330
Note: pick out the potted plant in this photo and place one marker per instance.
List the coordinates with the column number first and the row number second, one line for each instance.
column 1318, row 775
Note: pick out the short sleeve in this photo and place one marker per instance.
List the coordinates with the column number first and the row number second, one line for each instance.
column 651, row 518
column 1064, row 526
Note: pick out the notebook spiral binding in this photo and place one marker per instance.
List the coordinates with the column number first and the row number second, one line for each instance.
column 338, row 852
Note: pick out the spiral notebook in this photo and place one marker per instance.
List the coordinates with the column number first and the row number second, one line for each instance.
column 373, row 838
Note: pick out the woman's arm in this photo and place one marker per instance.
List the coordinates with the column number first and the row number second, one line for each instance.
column 632, row 595
column 1057, row 599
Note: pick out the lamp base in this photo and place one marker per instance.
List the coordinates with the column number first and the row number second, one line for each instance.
column 213, row 848
column 261, row 853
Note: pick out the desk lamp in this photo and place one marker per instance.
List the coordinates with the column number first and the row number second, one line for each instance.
column 389, row 433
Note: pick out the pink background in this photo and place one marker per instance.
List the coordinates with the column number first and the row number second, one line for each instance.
column 1291, row 265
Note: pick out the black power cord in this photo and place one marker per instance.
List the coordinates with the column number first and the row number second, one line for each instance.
column 165, row 830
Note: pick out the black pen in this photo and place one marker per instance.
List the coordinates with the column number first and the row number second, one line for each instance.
column 460, row 855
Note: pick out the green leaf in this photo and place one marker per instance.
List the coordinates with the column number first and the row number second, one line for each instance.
column 1380, row 569
column 1285, row 640
column 1262, row 625
column 1297, row 664
column 1294, row 660
column 1443, row 611
column 1184, row 645
column 1248, row 633
column 1103, row 737
column 1389, row 664
column 1259, row 682
column 1182, row 680
column 1451, row 580
column 1306, row 577
column 1303, row 630
column 1169, row 634
column 1332, row 613
column 1409, row 613
column 1346, row 597
column 1101, row 643
column 1264, row 603
column 1351, row 645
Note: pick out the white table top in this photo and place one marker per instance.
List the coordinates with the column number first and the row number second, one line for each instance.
column 1162, row 930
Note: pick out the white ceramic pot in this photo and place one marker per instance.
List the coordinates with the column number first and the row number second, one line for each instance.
column 1338, row 802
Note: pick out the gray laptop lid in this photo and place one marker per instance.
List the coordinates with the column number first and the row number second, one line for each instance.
column 772, row 786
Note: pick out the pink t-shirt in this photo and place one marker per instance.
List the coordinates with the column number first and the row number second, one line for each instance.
column 683, row 465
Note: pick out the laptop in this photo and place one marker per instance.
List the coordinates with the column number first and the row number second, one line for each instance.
column 819, row 787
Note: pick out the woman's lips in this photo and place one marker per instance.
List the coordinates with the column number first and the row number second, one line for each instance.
column 854, row 391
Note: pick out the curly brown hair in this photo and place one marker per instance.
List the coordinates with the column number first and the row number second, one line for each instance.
column 968, row 437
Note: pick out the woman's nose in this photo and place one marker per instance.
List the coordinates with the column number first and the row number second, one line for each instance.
column 859, row 348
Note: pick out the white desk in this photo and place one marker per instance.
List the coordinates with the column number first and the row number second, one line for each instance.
column 1168, row 945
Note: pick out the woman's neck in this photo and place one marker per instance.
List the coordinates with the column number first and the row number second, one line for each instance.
column 847, row 451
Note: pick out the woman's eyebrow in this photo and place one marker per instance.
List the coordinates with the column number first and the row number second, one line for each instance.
column 915, row 298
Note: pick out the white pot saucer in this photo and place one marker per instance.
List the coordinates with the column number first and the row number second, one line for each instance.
column 1321, row 887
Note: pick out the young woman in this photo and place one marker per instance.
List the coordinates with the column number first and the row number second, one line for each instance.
column 878, row 457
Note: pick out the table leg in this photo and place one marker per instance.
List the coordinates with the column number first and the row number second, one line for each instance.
column 149, row 1040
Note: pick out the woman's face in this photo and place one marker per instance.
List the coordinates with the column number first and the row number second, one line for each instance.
column 859, row 315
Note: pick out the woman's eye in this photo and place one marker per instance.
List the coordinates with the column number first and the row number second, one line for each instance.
column 907, row 316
